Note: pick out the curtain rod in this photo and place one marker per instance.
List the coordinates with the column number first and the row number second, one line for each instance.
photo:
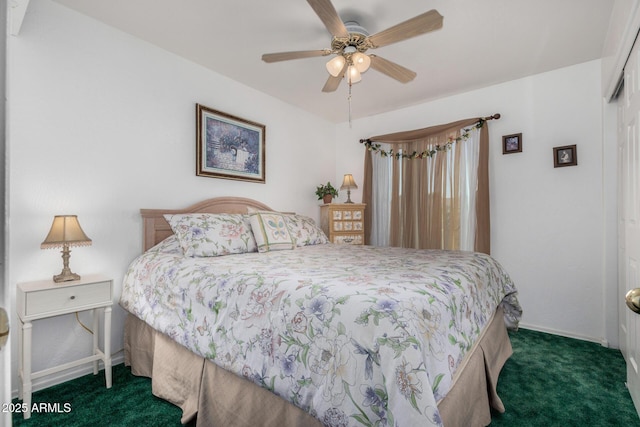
column 411, row 135
column 496, row 116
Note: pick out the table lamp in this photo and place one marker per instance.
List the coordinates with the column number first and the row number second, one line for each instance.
column 347, row 184
column 65, row 232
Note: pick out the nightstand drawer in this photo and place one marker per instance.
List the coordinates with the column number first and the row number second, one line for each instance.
column 347, row 226
column 66, row 299
column 348, row 239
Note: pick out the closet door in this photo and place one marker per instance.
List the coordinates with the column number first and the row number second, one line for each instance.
column 629, row 219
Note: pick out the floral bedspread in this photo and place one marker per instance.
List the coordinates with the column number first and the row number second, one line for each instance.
column 354, row 335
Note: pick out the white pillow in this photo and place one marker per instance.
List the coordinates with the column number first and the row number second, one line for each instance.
column 207, row 235
column 271, row 232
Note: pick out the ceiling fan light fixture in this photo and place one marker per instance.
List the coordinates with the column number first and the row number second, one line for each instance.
column 361, row 61
column 355, row 27
column 354, row 74
column 335, row 66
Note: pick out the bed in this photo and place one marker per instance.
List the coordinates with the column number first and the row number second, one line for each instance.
column 291, row 330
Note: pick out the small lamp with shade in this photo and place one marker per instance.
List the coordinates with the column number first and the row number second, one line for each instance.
column 65, row 232
column 347, row 184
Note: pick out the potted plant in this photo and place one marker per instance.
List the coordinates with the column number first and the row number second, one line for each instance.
column 326, row 192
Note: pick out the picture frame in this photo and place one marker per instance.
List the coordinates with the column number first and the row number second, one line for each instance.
column 566, row 155
column 512, row 143
column 229, row 147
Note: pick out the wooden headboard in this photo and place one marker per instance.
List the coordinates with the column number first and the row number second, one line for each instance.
column 156, row 228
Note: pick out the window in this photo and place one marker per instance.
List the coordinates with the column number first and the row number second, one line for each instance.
column 430, row 201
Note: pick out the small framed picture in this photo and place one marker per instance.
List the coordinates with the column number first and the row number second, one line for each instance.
column 229, row 147
column 512, row 143
column 565, row 156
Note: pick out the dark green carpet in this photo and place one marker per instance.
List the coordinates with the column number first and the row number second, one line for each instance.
column 128, row 402
column 557, row 381
column 549, row 381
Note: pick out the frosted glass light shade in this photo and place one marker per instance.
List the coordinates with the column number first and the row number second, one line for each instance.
column 335, row 66
column 354, row 74
column 361, row 61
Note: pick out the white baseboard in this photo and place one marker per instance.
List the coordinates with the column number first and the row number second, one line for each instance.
column 68, row 375
column 603, row 342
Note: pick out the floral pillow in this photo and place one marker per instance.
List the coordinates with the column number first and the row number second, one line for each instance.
column 305, row 230
column 170, row 245
column 208, row 235
column 271, row 232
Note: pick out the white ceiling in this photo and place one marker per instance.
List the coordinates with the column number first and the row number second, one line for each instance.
column 481, row 43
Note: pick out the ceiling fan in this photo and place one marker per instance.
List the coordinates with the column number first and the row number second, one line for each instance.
column 351, row 41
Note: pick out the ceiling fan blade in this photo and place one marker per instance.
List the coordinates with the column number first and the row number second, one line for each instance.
column 286, row 56
column 333, row 82
column 391, row 69
column 329, row 17
column 415, row 26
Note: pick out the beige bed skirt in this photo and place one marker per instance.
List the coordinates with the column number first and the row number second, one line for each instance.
column 219, row 398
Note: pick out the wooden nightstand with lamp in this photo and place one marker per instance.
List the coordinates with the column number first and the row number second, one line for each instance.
column 64, row 294
column 343, row 223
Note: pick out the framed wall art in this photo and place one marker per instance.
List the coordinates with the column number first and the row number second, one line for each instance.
column 229, row 147
column 565, row 156
column 512, row 143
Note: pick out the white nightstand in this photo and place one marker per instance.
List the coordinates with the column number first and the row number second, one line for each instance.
column 43, row 299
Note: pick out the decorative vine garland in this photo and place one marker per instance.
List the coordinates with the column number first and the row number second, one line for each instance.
column 377, row 148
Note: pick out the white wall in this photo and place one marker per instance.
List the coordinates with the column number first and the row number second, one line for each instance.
column 548, row 225
column 103, row 124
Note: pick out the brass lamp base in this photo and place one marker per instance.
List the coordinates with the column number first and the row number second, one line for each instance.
column 348, row 197
column 66, row 276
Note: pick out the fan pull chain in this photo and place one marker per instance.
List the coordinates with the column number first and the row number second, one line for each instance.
column 349, row 99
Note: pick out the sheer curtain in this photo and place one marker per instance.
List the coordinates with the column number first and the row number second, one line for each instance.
column 380, row 205
column 438, row 202
column 469, row 158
